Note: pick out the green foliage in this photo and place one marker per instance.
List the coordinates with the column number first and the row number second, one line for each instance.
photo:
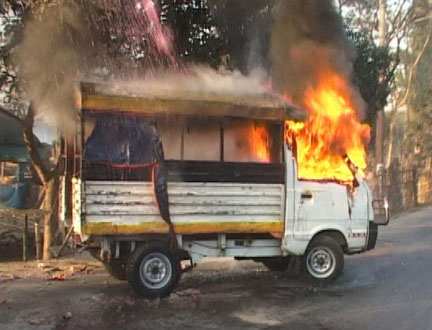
column 202, row 33
column 245, row 27
column 10, row 25
column 373, row 73
column 195, row 35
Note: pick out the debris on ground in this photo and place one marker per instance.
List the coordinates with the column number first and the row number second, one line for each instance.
column 9, row 277
column 58, row 277
column 67, row 316
column 37, row 317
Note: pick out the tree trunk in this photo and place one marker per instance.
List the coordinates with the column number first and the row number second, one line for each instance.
column 380, row 120
column 49, row 179
column 392, row 142
column 50, row 216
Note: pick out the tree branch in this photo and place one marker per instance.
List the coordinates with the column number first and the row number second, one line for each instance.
column 33, row 147
column 413, row 67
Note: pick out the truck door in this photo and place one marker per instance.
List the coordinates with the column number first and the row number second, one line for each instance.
column 312, row 206
column 319, row 206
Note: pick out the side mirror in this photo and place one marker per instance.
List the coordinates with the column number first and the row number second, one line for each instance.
column 381, row 211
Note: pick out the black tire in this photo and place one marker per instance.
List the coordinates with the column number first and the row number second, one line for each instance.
column 149, row 262
column 323, row 261
column 279, row 264
column 95, row 253
column 117, row 269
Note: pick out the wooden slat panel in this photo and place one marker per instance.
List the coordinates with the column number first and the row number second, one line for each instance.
column 183, row 200
column 139, row 184
column 131, row 204
column 143, row 218
column 193, row 189
column 184, row 210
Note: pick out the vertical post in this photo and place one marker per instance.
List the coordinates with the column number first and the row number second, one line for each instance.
column 25, row 237
column 2, row 169
column 415, row 187
column 380, row 120
column 182, row 142
column 221, row 141
column 382, row 23
column 37, row 240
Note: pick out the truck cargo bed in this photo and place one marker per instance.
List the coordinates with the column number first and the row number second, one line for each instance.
column 116, row 207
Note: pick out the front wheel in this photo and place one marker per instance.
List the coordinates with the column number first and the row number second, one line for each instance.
column 324, row 260
column 153, row 270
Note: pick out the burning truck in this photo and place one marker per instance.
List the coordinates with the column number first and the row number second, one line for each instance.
column 154, row 181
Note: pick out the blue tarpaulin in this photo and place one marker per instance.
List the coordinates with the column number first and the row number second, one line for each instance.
column 121, row 140
column 131, row 140
column 13, row 194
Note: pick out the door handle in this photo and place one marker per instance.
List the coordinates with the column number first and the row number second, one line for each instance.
column 306, row 195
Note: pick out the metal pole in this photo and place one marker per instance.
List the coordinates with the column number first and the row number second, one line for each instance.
column 25, row 238
column 37, row 241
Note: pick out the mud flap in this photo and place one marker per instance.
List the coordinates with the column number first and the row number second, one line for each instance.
column 372, row 235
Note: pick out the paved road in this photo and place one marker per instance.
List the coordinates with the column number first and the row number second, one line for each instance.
column 387, row 288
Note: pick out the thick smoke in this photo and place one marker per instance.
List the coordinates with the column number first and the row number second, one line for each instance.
column 197, row 80
column 308, row 41
column 50, row 58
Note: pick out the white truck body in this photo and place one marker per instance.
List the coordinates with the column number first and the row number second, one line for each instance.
column 220, row 200
column 294, row 213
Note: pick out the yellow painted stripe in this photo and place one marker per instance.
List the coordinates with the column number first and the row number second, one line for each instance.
column 210, row 105
column 159, row 227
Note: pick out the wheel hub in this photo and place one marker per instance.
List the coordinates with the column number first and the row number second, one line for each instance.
column 321, row 262
column 155, row 270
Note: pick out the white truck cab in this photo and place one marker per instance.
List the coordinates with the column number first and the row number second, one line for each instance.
column 314, row 207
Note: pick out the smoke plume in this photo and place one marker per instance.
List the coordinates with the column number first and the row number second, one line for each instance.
column 53, row 52
column 307, row 42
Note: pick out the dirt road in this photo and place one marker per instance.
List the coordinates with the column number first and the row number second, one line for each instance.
column 388, row 288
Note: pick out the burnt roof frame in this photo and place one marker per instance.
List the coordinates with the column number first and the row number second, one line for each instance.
column 257, row 107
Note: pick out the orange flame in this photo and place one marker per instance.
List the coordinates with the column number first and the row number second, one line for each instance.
column 331, row 133
column 260, row 143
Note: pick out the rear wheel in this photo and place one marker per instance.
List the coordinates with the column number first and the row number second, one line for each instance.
column 117, row 269
column 324, row 260
column 279, row 264
column 153, row 270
